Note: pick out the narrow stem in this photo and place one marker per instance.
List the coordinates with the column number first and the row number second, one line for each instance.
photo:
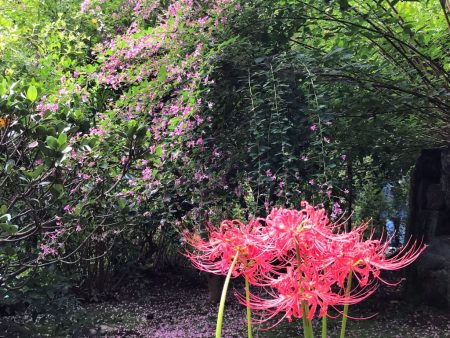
column 347, row 295
column 249, row 313
column 224, row 297
column 308, row 331
column 305, row 321
column 324, row 327
column 307, row 327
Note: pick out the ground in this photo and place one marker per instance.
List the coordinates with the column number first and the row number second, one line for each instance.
column 167, row 305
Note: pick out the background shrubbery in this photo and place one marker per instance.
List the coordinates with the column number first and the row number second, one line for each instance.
column 123, row 120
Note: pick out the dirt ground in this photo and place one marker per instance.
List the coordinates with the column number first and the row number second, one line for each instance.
column 169, row 306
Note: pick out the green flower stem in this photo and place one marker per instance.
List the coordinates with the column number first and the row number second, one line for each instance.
column 224, row 296
column 249, row 313
column 347, row 294
column 324, row 327
column 307, row 327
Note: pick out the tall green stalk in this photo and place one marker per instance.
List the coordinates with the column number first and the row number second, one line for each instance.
column 347, row 296
column 324, row 327
column 223, row 297
column 307, row 327
column 249, row 313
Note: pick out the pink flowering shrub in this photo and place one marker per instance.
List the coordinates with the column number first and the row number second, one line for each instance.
column 97, row 138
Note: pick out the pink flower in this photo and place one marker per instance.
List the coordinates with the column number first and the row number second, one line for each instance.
column 337, row 210
column 300, row 257
column 84, row 6
column 313, row 258
column 313, row 127
column 216, row 254
column 146, row 174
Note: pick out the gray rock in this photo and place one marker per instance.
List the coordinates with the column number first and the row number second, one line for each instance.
column 433, row 273
column 435, row 197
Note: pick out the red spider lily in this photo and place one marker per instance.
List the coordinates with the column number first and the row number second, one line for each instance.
column 288, row 229
column 216, row 254
column 299, row 284
column 317, row 261
column 301, row 258
column 366, row 258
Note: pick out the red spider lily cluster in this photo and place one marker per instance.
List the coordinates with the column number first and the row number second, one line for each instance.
column 301, row 258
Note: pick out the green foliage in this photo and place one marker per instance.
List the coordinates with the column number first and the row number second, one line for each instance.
column 353, row 72
column 122, row 124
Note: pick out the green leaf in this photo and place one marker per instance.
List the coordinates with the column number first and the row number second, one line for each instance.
column 12, row 229
column 37, row 171
column 122, row 203
column 52, row 142
column 32, row 93
column 9, row 166
column 162, row 76
column 3, row 87
column 57, row 190
column 3, row 209
column 62, row 139
column 158, row 151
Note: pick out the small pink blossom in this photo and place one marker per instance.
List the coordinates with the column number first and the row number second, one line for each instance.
column 84, row 6
column 313, row 127
column 146, row 174
column 337, row 210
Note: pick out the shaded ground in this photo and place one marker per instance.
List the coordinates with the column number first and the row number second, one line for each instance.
column 167, row 306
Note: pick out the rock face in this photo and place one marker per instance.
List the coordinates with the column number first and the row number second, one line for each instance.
column 429, row 218
column 433, row 273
